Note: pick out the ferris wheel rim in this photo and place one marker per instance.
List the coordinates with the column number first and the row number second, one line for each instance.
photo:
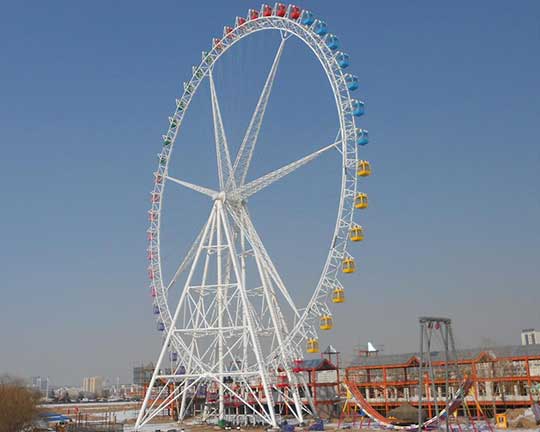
column 303, row 327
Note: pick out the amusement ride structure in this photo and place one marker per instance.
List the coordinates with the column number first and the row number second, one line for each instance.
column 435, row 332
column 235, row 326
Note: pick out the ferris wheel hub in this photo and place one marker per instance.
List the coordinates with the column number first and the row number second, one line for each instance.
column 220, row 196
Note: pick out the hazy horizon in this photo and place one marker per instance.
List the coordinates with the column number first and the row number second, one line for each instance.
column 452, row 106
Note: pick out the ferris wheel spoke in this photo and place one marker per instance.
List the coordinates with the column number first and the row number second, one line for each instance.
column 266, row 180
column 201, row 189
column 222, row 149
column 243, row 158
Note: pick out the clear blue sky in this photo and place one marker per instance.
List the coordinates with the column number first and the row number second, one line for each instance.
column 453, row 107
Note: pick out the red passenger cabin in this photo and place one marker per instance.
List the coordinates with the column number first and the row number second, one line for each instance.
column 281, row 9
column 266, row 10
column 294, row 12
column 227, row 32
column 216, row 43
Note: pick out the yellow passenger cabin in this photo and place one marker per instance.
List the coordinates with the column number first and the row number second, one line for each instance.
column 348, row 265
column 364, row 168
column 312, row 346
column 338, row 295
column 361, row 201
column 326, row 322
column 357, row 233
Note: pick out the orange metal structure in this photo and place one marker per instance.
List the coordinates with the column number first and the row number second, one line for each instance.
column 502, row 378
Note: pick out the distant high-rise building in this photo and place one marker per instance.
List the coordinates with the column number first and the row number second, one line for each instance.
column 143, row 374
column 530, row 337
column 40, row 384
column 93, row 385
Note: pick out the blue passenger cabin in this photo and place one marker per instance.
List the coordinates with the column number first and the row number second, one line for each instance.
column 352, row 81
column 320, row 27
column 342, row 59
column 332, row 42
column 307, row 18
column 357, row 107
column 362, row 135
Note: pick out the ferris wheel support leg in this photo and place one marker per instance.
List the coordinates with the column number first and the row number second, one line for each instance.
column 279, row 326
column 183, row 402
column 245, row 335
column 308, row 396
column 220, row 303
column 172, row 327
column 247, row 312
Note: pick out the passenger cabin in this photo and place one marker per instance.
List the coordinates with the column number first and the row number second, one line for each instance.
column 352, row 81
column 361, row 201
column 338, row 295
column 332, row 42
column 266, row 10
column 294, row 12
column 216, row 44
column 362, row 135
column 312, row 346
column 326, row 322
column 228, row 32
column 342, row 59
column 357, row 233
column 280, row 9
column 357, row 108
column 348, row 265
column 320, row 27
column 188, row 87
column 364, row 168
column 307, row 18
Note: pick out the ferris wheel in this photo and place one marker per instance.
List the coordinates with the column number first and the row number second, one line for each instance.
column 234, row 336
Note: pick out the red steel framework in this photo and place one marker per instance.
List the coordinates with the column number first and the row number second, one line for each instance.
column 322, row 379
column 502, row 378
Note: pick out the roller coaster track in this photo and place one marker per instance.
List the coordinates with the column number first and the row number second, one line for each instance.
column 377, row 417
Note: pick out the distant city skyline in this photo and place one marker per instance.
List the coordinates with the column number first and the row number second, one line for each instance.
column 451, row 94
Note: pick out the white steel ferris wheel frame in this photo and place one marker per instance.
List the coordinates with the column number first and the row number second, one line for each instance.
column 229, row 214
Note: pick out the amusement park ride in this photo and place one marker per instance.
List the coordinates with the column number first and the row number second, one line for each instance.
column 235, row 325
column 435, row 333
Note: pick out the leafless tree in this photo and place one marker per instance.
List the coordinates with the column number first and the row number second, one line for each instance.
column 18, row 405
